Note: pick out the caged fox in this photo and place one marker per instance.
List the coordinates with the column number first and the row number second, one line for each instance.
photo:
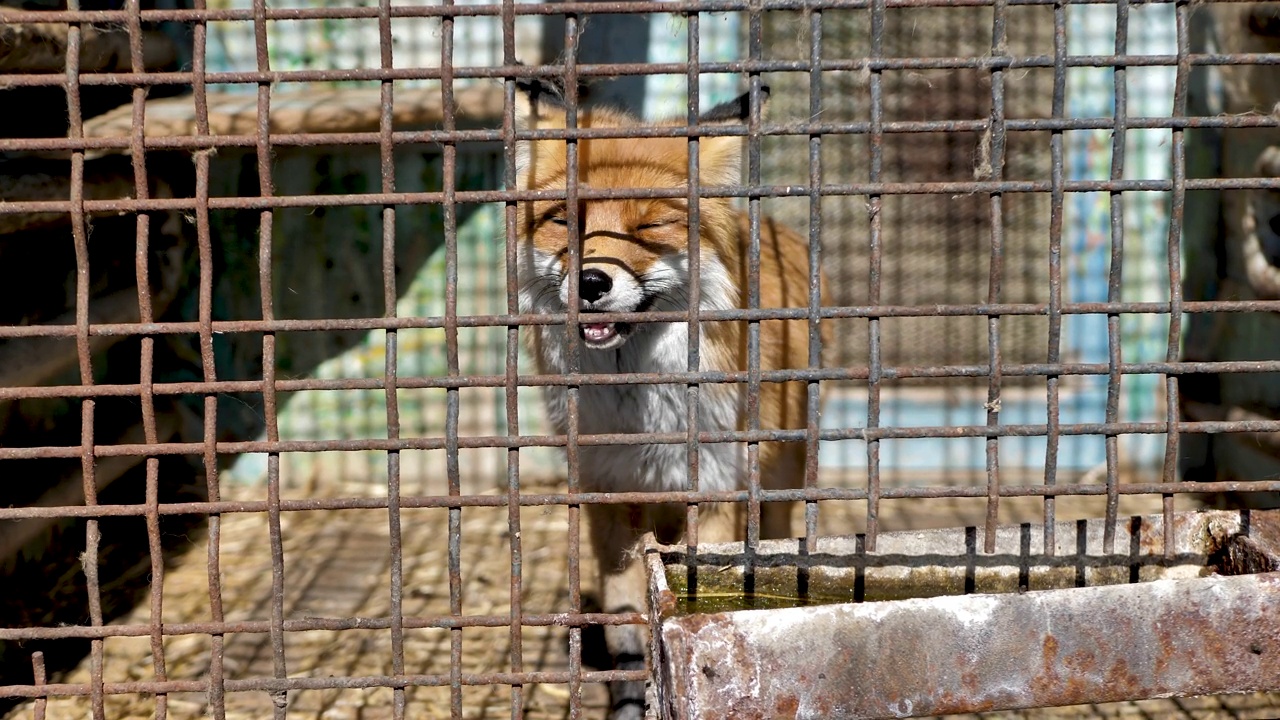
column 635, row 257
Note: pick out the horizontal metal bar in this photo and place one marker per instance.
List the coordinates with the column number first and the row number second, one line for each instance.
column 519, row 9
column 986, row 63
column 319, row 683
column 680, row 496
column 761, row 191
column 477, row 136
column 429, row 137
column 508, row 320
column 845, row 374
column 444, row 622
column 616, row 439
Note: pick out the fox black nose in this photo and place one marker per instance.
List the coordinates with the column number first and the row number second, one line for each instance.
column 594, row 284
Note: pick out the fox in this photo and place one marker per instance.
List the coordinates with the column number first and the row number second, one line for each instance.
column 635, row 257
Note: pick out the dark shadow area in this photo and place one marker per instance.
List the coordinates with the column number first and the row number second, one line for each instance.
column 327, row 263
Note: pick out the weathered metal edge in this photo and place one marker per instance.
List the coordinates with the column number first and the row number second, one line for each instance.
column 1186, row 636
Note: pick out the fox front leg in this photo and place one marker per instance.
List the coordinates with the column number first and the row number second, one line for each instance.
column 616, row 532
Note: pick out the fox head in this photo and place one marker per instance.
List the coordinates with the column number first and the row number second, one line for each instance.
column 634, row 252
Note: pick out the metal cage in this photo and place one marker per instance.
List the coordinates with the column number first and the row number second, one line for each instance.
column 269, row 444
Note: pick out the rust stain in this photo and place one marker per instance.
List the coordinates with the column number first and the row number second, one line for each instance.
column 1182, row 635
column 1047, row 681
column 1123, row 681
column 666, row 603
column 969, row 701
column 1162, row 637
column 1150, row 541
column 969, row 680
column 1081, row 662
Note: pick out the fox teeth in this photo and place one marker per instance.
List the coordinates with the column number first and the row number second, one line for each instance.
column 599, row 332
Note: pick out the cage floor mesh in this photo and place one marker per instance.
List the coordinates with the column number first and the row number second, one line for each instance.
column 337, row 564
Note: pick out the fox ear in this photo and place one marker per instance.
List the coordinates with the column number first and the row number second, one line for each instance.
column 540, row 105
column 539, row 96
column 735, row 111
column 720, row 158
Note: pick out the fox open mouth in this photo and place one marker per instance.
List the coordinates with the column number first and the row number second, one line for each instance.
column 604, row 336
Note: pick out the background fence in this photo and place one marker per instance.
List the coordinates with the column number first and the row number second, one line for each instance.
column 936, row 251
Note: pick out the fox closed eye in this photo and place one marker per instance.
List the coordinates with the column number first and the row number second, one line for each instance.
column 652, row 224
column 556, row 214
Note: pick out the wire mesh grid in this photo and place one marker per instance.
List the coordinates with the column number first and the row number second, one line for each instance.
column 950, row 179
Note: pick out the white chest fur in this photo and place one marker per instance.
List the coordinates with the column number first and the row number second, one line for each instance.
column 646, row 409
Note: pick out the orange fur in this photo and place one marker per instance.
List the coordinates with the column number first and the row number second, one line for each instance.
column 631, row 239
column 611, row 230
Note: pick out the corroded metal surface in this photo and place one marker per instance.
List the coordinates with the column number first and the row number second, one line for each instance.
column 1140, row 623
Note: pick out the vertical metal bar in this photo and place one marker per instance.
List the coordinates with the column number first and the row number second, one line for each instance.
column 693, row 397
column 574, row 360
column 875, row 204
column 280, row 698
column 88, row 463
column 155, row 548
column 755, row 10
column 512, row 369
column 815, row 279
column 999, row 48
column 208, row 365
column 147, row 351
column 1057, row 200
column 390, row 291
column 1114, row 276
column 1174, row 257
column 452, row 399
column 38, row 679
column 693, row 391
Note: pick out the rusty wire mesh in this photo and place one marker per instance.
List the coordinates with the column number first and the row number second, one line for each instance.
column 860, row 155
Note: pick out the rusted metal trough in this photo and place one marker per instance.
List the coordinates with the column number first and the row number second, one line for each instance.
column 927, row 624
